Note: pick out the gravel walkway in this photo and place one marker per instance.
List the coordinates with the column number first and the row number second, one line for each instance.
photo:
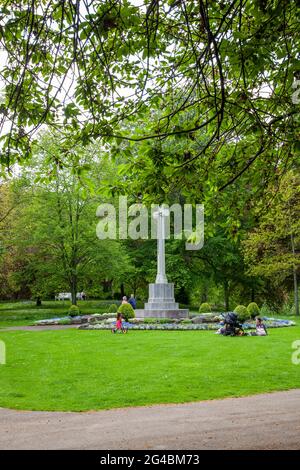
column 267, row 421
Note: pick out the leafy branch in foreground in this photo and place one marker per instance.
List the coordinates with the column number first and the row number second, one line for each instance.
column 92, row 68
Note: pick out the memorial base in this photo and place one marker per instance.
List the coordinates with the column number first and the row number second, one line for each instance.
column 174, row 314
column 161, row 303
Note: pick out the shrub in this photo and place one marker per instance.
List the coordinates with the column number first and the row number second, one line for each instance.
column 241, row 312
column 253, row 310
column 157, row 321
column 204, row 308
column 113, row 308
column 74, row 311
column 127, row 311
column 266, row 311
column 287, row 309
column 64, row 322
column 165, row 320
column 108, row 315
column 149, row 321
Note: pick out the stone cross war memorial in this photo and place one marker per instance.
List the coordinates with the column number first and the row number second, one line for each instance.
column 161, row 302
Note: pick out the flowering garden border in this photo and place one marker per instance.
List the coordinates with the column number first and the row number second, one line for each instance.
column 270, row 323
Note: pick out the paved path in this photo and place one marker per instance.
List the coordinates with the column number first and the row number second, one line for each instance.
column 268, row 421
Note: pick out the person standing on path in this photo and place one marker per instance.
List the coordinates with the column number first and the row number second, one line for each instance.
column 132, row 302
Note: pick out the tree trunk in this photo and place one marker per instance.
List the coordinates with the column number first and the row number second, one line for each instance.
column 204, row 295
column 226, row 295
column 296, row 296
column 38, row 302
column 74, row 290
column 122, row 290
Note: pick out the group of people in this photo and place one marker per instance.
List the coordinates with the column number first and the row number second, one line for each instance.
column 131, row 301
column 119, row 323
column 231, row 327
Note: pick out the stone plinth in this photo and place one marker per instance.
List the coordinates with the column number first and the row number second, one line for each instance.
column 161, row 303
column 175, row 314
column 161, row 297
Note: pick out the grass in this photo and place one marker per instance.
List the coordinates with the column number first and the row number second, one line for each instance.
column 87, row 370
column 26, row 312
column 9, row 323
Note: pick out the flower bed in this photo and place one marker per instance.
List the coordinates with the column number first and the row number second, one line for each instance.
column 269, row 322
column 106, row 321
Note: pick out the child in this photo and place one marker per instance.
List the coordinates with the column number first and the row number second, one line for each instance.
column 119, row 327
column 261, row 329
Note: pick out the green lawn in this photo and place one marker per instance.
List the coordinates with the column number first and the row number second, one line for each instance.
column 87, row 370
column 26, row 312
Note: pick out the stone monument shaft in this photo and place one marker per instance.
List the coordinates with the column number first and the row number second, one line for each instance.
column 161, row 300
column 160, row 215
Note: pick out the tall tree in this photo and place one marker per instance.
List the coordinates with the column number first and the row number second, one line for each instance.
column 54, row 240
column 273, row 248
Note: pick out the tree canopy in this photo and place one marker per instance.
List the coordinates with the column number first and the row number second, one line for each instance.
column 170, row 101
column 218, row 73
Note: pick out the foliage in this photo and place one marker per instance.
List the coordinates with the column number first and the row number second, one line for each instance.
column 253, row 310
column 127, row 311
column 268, row 249
column 196, row 75
column 241, row 312
column 74, row 311
column 287, row 309
column 143, row 257
column 266, row 310
column 113, row 308
column 168, row 101
column 66, row 321
column 162, row 321
column 222, row 262
column 273, row 247
column 204, row 308
column 51, row 245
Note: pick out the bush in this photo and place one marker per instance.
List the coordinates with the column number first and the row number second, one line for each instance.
column 253, row 310
column 127, row 311
column 74, row 311
column 157, row 321
column 113, row 308
column 266, row 311
column 149, row 321
column 108, row 315
column 287, row 309
column 64, row 322
column 204, row 308
column 242, row 313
